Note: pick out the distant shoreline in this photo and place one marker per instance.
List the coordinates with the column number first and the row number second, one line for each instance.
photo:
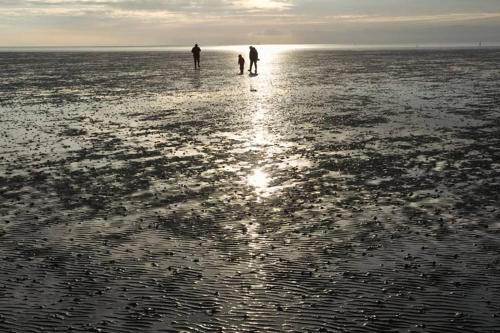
column 407, row 46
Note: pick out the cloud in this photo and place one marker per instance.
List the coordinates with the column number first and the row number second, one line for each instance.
column 441, row 18
column 228, row 8
column 180, row 6
column 227, row 21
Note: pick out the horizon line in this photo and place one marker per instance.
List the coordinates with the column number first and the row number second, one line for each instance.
column 412, row 44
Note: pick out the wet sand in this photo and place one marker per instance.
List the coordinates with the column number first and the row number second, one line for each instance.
column 338, row 191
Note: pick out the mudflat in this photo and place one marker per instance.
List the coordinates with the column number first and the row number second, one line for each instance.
column 338, row 191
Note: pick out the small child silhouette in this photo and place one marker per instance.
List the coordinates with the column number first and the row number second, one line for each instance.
column 241, row 62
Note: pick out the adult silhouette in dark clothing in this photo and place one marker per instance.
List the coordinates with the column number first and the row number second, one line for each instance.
column 254, row 57
column 196, row 51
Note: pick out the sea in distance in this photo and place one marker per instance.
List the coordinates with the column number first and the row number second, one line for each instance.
column 343, row 189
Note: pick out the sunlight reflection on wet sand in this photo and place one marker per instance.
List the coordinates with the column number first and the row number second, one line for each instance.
column 260, row 181
column 343, row 181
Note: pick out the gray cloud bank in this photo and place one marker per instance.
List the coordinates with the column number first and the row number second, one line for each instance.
column 174, row 22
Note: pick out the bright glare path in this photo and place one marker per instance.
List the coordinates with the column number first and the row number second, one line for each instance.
column 263, row 90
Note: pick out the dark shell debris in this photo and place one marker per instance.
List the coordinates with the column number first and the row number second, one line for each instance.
column 338, row 191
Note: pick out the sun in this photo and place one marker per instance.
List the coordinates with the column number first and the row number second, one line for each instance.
column 264, row 4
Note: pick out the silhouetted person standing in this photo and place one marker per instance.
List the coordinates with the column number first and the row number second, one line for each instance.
column 254, row 57
column 196, row 51
column 241, row 62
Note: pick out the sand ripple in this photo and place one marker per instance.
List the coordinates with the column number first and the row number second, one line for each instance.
column 361, row 196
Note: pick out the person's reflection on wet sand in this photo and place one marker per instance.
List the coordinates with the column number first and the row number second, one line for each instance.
column 196, row 81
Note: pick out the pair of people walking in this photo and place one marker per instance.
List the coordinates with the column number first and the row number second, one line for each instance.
column 253, row 55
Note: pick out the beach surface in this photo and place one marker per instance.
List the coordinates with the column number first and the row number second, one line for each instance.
column 337, row 191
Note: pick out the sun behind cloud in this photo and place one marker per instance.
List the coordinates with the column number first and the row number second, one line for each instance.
column 228, row 22
column 264, row 4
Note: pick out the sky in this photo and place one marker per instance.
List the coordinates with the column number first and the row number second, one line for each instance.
column 229, row 22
